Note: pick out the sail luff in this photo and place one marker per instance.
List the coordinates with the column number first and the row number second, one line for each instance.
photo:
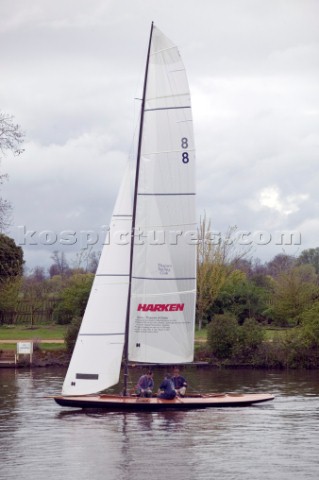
column 125, row 356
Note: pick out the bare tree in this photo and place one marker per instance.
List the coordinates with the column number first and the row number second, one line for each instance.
column 60, row 265
column 281, row 263
column 11, row 135
column 86, row 261
column 11, row 138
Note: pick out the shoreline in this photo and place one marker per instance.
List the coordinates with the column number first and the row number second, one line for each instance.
column 52, row 353
column 60, row 358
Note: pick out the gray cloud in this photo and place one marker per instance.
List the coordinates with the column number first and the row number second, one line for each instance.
column 71, row 71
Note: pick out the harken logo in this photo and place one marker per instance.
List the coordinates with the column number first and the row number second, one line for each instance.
column 160, row 307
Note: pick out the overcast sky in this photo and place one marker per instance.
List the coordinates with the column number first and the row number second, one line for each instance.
column 70, row 72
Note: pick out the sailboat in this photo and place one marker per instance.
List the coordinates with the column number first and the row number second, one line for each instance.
column 141, row 307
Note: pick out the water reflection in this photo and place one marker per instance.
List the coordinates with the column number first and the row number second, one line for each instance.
column 39, row 439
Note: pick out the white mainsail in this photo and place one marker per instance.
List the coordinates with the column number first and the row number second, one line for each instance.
column 97, row 356
column 162, row 310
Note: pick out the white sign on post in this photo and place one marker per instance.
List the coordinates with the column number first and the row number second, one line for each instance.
column 25, row 348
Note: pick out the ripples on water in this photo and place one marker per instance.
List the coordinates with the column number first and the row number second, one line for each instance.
column 40, row 440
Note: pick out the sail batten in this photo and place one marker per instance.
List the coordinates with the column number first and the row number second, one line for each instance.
column 165, row 151
column 112, row 274
column 167, row 193
column 156, row 52
column 162, row 279
column 99, row 334
column 166, row 108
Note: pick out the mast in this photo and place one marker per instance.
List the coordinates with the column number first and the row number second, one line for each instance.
column 125, row 356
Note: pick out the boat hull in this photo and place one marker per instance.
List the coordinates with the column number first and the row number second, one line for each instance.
column 131, row 403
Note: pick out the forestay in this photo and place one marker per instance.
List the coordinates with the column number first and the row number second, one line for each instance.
column 164, row 260
column 96, row 360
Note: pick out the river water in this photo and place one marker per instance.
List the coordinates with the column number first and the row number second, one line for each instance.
column 276, row 440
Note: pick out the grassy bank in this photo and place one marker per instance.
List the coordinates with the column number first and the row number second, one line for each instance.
column 42, row 335
column 43, row 332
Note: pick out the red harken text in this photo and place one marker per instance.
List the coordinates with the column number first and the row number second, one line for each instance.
column 160, row 307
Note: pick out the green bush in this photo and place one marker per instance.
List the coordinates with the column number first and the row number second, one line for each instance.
column 310, row 326
column 222, row 335
column 72, row 333
column 73, row 298
column 226, row 339
column 250, row 337
column 62, row 315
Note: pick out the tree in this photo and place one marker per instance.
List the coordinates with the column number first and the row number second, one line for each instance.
column 11, row 135
column 60, row 265
column 72, row 333
column 243, row 298
column 9, row 299
column 281, row 263
column 11, row 138
column 86, row 261
column 222, row 335
column 251, row 335
column 216, row 262
column 38, row 274
column 11, row 259
column 310, row 325
column 11, row 267
column 294, row 291
column 34, row 295
column 311, row 257
column 229, row 340
column 74, row 298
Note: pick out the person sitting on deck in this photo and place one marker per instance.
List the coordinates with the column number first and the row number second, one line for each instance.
column 145, row 385
column 166, row 388
column 180, row 383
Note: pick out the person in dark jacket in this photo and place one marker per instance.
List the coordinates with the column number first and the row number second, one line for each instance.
column 166, row 388
column 145, row 385
column 180, row 383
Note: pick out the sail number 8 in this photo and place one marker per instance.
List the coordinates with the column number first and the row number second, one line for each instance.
column 184, row 144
